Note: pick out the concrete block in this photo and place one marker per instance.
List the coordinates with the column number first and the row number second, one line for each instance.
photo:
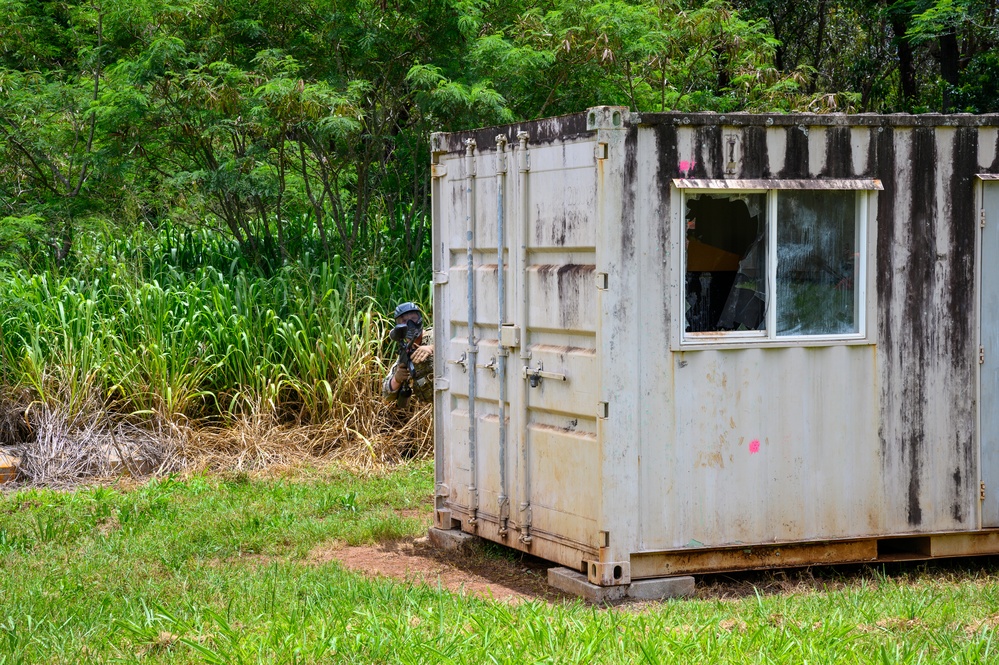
column 451, row 540
column 574, row 582
column 577, row 584
column 661, row 587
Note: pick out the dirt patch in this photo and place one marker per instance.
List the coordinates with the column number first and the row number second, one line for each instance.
column 507, row 576
column 988, row 622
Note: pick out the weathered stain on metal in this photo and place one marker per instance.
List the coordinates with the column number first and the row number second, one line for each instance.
column 707, row 144
column 559, row 229
column 844, row 442
column 755, row 557
column 755, row 153
column 963, row 544
column 694, row 120
column 573, row 284
column 629, row 195
column 850, row 184
column 927, row 331
column 959, row 329
column 796, row 153
column 839, row 153
column 556, row 130
column 563, row 350
column 927, row 339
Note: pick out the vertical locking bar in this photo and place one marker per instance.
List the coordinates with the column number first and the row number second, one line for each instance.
column 501, row 352
column 473, row 489
column 523, row 434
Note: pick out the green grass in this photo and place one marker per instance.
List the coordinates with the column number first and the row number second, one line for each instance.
column 162, row 573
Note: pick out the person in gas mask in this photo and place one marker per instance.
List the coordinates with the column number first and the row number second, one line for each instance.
column 413, row 372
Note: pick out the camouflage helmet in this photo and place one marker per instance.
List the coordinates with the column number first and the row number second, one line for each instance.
column 406, row 308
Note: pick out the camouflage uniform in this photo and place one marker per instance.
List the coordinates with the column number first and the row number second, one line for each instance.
column 423, row 382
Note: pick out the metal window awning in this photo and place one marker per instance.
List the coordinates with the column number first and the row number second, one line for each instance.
column 987, row 176
column 771, row 183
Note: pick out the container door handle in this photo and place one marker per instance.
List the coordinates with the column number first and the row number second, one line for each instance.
column 461, row 361
column 491, row 365
column 534, row 375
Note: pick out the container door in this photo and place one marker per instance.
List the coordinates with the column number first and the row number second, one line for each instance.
column 552, row 366
column 989, row 402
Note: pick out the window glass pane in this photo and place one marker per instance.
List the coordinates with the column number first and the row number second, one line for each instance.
column 726, row 262
column 817, row 253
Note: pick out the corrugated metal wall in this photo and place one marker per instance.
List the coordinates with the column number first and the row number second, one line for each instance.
column 733, row 444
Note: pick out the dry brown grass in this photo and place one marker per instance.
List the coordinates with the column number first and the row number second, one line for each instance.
column 260, row 441
column 67, row 447
column 14, row 427
column 58, row 446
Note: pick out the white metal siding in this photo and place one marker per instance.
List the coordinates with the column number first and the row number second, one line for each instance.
column 721, row 445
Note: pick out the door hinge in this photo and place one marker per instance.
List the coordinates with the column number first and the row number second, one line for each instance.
column 440, row 277
column 981, row 491
column 981, row 218
column 981, row 355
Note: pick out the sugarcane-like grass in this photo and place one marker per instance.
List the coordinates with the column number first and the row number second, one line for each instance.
column 216, row 569
column 149, row 355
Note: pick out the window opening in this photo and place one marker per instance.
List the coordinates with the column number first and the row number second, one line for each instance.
column 774, row 263
column 726, row 262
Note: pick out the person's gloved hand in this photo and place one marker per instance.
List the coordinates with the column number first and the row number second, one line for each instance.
column 422, row 353
column 401, row 375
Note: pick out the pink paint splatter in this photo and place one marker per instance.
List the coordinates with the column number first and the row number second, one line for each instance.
column 686, row 167
column 754, row 446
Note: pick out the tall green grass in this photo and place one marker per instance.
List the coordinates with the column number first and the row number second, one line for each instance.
column 177, row 326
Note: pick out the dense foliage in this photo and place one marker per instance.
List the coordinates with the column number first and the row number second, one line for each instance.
column 263, row 119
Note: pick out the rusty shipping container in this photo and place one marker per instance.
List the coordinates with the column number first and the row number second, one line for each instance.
column 680, row 343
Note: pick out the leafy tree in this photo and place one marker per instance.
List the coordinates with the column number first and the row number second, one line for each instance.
column 962, row 36
column 303, row 126
column 50, row 160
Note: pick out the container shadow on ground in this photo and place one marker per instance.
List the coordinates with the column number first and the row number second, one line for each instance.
column 488, row 567
column 820, row 579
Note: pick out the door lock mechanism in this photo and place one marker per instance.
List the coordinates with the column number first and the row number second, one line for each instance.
column 534, row 375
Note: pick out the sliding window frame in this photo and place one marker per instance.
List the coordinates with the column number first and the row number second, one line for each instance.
column 866, row 239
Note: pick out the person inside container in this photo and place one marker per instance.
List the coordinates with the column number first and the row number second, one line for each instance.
column 413, row 371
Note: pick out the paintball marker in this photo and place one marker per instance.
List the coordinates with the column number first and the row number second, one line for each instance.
column 405, row 334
